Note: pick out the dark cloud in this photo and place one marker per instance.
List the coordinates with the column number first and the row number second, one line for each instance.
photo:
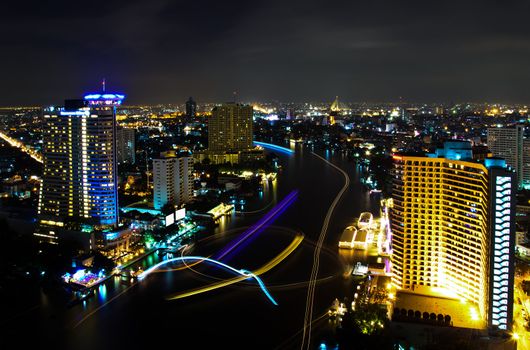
column 163, row 50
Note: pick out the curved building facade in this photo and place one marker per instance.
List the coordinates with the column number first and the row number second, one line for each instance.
column 444, row 228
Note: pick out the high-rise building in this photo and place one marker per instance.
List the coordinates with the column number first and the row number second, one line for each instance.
column 125, row 146
column 507, row 143
column 172, row 179
column 79, row 153
column 453, row 227
column 526, row 164
column 230, row 128
column 191, row 108
column 230, row 135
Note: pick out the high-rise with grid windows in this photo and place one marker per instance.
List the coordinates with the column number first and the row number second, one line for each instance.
column 79, row 153
column 453, row 227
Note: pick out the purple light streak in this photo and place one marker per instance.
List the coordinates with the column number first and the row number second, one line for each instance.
column 260, row 225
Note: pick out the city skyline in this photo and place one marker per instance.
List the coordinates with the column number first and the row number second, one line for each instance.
column 283, row 174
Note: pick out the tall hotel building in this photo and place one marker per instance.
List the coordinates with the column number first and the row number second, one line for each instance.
column 172, row 179
column 230, row 134
column 230, row 128
column 79, row 179
column 507, row 143
column 453, row 227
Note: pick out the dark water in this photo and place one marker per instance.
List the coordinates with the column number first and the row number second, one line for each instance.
column 128, row 315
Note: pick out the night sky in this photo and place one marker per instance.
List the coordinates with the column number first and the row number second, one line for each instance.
column 162, row 51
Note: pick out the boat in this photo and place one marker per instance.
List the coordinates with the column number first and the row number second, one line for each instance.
column 365, row 220
column 360, row 270
column 136, row 273
column 81, row 295
column 348, row 237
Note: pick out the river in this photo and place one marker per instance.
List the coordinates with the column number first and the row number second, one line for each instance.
column 126, row 314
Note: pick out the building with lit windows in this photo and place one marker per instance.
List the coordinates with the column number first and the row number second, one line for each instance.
column 526, row 164
column 230, row 128
column 230, row 135
column 125, row 146
column 507, row 143
column 172, row 179
column 453, row 228
column 79, row 178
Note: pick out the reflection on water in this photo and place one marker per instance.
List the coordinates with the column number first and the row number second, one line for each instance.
column 102, row 292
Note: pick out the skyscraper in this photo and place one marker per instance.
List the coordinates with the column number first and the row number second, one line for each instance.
column 191, row 108
column 230, row 128
column 453, row 227
column 125, row 146
column 526, row 164
column 79, row 152
column 507, row 143
column 172, row 179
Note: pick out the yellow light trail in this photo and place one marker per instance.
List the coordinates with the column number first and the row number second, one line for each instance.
column 271, row 264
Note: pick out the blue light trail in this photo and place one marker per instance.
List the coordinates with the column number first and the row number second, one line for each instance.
column 274, row 147
column 242, row 272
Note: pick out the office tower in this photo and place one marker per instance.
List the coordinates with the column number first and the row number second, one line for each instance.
column 191, row 108
column 230, row 128
column 172, row 179
column 526, row 164
column 125, row 146
column 79, row 153
column 453, row 227
column 507, row 143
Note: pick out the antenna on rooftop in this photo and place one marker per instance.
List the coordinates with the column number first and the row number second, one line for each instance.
column 103, row 84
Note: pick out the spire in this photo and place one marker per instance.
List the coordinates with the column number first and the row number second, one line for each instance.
column 103, row 84
column 335, row 107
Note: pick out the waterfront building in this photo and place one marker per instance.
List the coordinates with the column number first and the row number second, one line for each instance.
column 230, row 134
column 230, row 128
column 453, row 228
column 79, row 156
column 172, row 179
column 507, row 143
column 125, row 146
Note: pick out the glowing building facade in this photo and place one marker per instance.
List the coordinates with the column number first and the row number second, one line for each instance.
column 446, row 230
column 79, row 151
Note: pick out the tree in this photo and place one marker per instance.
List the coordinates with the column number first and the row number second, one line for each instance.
column 168, row 208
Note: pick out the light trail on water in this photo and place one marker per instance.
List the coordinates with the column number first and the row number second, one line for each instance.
column 274, row 147
column 245, row 273
column 260, row 225
column 271, row 264
column 308, row 319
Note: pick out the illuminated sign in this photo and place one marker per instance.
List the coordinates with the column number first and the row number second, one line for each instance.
column 170, row 219
column 180, row 214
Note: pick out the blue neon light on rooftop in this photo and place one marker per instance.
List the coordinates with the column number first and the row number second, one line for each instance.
column 274, row 147
column 104, row 97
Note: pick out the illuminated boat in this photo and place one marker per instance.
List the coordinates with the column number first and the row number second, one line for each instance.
column 360, row 270
column 348, row 237
column 365, row 220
